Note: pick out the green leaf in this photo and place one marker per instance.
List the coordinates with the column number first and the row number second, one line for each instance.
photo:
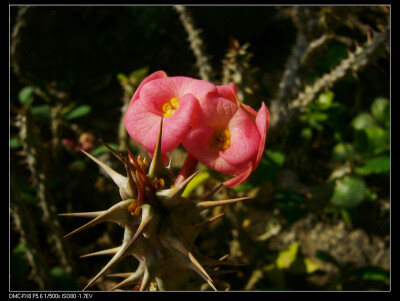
column 373, row 140
column 325, row 99
column 139, row 73
column 362, row 121
column 371, row 273
column 42, row 111
column 380, row 108
column 342, row 152
column 348, row 192
column 78, row 112
column 324, row 256
column 276, row 157
column 25, row 96
column 378, row 165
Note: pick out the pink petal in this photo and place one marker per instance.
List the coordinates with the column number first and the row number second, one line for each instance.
column 175, row 127
column 262, row 121
column 215, row 112
column 244, row 141
column 235, row 181
column 228, row 92
column 153, row 76
column 196, row 143
column 139, row 121
column 160, row 91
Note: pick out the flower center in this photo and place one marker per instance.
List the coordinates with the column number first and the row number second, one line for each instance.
column 170, row 107
column 220, row 141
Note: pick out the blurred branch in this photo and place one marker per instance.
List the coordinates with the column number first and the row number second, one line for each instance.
column 26, row 229
column 196, row 43
column 32, row 146
column 290, row 81
column 15, row 40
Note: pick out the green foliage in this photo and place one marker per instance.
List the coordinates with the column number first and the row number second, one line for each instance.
column 19, row 263
column 77, row 112
column 42, row 111
column 62, row 280
column 370, row 273
column 103, row 149
column 376, row 165
column 290, row 204
column 26, row 96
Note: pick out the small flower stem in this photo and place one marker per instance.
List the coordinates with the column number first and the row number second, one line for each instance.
column 187, row 169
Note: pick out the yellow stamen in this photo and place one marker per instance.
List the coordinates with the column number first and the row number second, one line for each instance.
column 220, row 141
column 158, row 183
column 170, row 107
column 134, row 209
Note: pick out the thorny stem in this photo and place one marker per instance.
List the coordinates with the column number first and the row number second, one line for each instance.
column 355, row 61
column 196, row 43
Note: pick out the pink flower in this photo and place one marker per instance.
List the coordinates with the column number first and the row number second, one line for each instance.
column 175, row 99
column 227, row 135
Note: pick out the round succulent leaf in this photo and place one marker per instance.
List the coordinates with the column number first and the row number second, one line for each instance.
column 348, row 192
column 380, row 108
column 362, row 121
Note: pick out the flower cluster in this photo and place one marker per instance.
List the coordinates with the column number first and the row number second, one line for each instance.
column 208, row 120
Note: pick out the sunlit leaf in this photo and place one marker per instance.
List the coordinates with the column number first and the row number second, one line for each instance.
column 287, row 257
column 325, row 99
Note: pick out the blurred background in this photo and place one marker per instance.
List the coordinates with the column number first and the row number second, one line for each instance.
column 319, row 218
